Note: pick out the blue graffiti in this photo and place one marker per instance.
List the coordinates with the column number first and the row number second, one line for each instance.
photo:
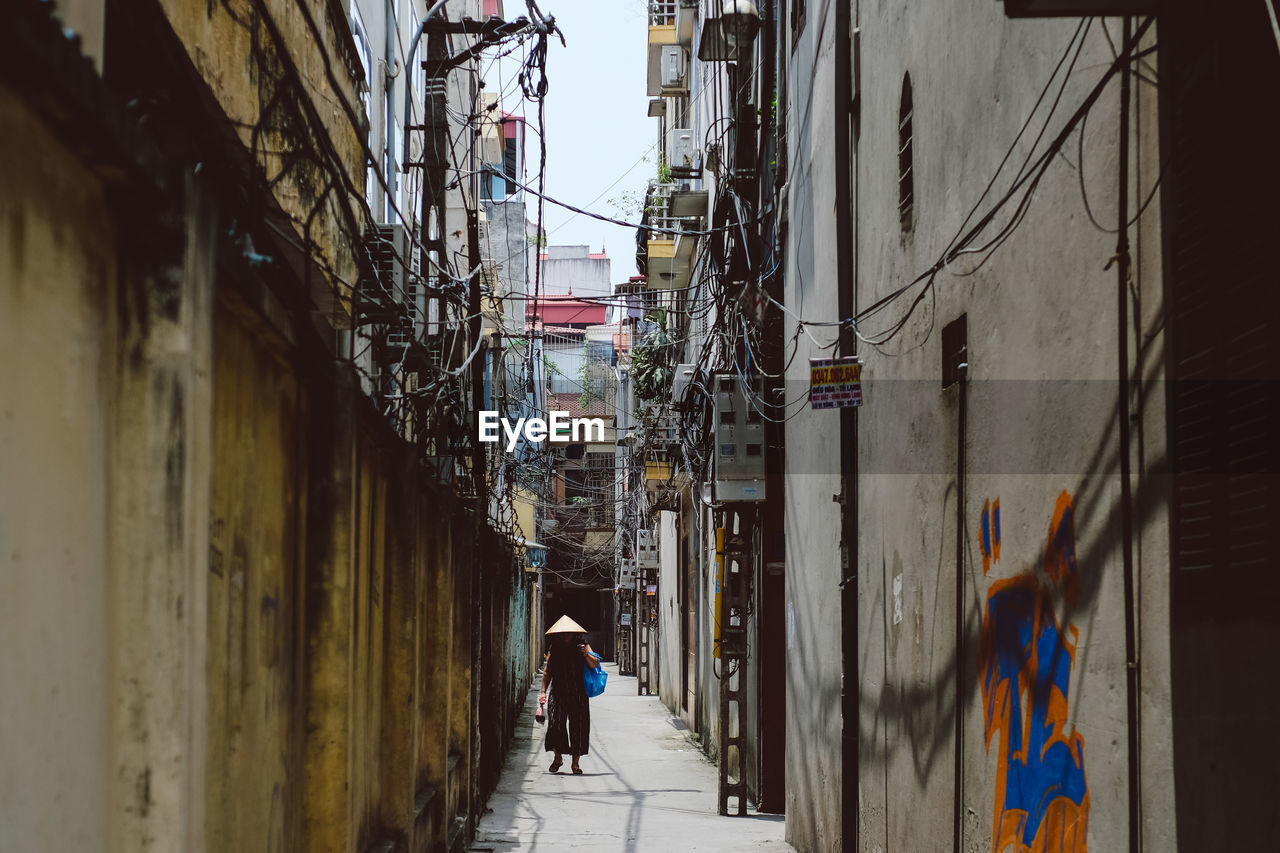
column 1027, row 664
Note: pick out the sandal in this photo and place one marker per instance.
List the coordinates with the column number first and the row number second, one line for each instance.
column 555, row 766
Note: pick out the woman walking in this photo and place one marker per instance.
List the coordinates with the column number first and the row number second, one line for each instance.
column 568, row 714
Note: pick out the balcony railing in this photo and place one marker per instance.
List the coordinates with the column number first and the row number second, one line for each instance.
column 660, row 209
column 662, row 12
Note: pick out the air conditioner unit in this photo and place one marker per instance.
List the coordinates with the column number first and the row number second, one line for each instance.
column 739, row 462
column 685, row 375
column 673, row 69
column 389, row 252
column 387, row 298
column 682, row 152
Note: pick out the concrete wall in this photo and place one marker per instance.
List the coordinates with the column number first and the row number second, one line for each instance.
column 257, row 494
column 812, row 519
column 506, row 247
column 1040, row 439
column 57, row 265
column 669, row 651
column 105, row 379
column 241, row 614
column 571, row 269
column 220, row 45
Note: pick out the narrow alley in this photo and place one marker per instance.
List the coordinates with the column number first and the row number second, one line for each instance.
column 645, row 786
column 878, row 389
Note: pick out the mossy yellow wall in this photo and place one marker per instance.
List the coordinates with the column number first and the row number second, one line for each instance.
column 254, row 593
column 232, row 46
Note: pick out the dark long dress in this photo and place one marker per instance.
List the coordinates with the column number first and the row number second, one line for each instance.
column 568, row 711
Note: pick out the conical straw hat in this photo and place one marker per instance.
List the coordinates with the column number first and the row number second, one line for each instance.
column 565, row 625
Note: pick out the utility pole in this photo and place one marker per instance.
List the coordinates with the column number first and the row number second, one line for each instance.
column 435, row 163
column 431, row 221
column 850, row 689
column 478, row 355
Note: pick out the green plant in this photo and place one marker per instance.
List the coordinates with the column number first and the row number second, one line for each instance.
column 653, row 360
column 664, row 170
column 585, row 383
column 629, row 204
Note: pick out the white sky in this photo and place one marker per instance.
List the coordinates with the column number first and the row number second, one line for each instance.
column 596, row 122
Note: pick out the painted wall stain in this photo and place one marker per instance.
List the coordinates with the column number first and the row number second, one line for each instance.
column 990, row 534
column 1041, row 796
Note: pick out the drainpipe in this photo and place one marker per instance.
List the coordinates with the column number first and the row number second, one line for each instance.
column 850, row 692
column 389, row 88
column 1126, row 496
column 957, row 816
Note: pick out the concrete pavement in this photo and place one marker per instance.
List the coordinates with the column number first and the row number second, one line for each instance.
column 646, row 787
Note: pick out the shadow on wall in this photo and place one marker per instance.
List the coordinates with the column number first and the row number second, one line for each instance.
column 1025, row 663
column 1025, row 637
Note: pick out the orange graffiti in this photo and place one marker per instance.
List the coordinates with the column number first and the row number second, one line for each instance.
column 1041, row 795
column 990, row 540
column 995, row 539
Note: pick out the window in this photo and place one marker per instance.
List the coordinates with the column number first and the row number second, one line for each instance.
column 599, row 486
column 906, row 168
column 600, row 351
column 955, row 350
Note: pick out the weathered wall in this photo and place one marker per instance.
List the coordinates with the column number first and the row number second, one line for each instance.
column 102, row 516
column 669, row 650
column 507, row 240
column 1040, row 536
column 257, row 495
column 351, row 669
column 812, row 518
column 268, row 626
column 57, row 280
column 571, row 269
column 262, row 63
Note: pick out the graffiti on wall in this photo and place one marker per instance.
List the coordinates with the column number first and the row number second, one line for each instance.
column 1025, row 661
column 990, row 534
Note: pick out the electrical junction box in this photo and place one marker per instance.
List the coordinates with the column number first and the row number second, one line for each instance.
column 739, row 465
column 627, row 573
column 646, row 549
column 673, row 69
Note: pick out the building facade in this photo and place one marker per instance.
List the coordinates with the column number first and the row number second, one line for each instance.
column 985, row 573
column 240, row 572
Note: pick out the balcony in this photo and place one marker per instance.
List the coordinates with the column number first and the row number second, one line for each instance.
column 670, row 35
column 662, row 13
column 670, row 256
column 656, row 473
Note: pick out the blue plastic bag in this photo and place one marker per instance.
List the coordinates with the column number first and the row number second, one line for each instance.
column 595, row 678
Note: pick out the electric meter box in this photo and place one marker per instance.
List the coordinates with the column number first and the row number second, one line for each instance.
column 739, row 466
column 627, row 573
column 646, row 549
